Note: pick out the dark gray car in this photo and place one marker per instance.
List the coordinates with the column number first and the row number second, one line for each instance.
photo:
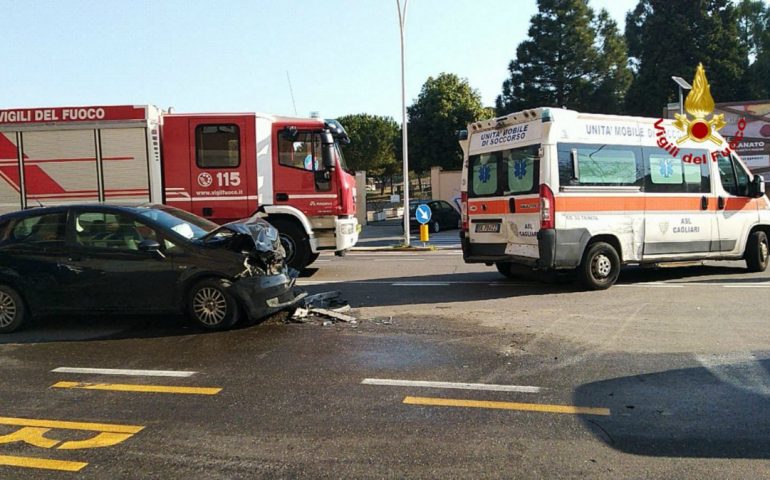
column 149, row 258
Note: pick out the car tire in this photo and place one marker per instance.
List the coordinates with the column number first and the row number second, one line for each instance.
column 295, row 243
column 313, row 258
column 505, row 269
column 211, row 307
column 435, row 226
column 600, row 266
column 757, row 252
column 13, row 312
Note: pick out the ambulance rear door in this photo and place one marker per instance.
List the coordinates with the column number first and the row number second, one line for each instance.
column 503, row 200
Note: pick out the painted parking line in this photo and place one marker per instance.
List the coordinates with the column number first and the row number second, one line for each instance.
column 67, row 425
column 451, row 385
column 119, row 387
column 41, row 463
column 527, row 407
column 122, row 371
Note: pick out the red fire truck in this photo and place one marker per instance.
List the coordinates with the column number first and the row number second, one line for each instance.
column 220, row 166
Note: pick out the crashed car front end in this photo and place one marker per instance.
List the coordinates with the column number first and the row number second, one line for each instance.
column 265, row 285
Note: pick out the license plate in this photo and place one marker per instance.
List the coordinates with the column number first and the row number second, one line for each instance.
column 488, row 228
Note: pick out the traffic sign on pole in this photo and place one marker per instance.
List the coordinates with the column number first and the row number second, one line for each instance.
column 423, row 214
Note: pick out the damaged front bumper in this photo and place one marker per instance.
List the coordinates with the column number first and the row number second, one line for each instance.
column 263, row 295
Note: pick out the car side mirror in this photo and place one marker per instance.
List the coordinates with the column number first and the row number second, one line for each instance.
column 151, row 246
column 757, row 187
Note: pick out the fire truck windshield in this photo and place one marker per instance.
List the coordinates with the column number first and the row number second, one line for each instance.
column 341, row 157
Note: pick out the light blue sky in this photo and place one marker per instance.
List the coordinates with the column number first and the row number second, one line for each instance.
column 342, row 55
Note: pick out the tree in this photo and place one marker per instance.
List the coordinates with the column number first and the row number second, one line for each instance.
column 445, row 105
column 572, row 58
column 670, row 38
column 372, row 140
column 614, row 76
column 754, row 28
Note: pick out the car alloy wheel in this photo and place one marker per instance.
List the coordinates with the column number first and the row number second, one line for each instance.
column 210, row 306
column 8, row 310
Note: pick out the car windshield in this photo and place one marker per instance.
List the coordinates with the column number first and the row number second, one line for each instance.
column 185, row 224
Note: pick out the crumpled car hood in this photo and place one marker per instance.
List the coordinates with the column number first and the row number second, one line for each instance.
column 263, row 235
column 253, row 237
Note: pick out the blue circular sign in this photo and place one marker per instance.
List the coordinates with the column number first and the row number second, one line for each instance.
column 423, row 213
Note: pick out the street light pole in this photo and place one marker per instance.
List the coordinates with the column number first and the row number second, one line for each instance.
column 683, row 85
column 405, row 147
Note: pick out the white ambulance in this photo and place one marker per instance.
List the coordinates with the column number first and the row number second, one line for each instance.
column 556, row 189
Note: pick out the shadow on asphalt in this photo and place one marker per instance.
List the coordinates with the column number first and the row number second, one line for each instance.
column 82, row 328
column 710, row 412
column 479, row 286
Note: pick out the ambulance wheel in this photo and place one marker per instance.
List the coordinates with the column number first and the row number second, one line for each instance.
column 12, row 310
column 505, row 269
column 757, row 252
column 435, row 226
column 600, row 267
column 295, row 243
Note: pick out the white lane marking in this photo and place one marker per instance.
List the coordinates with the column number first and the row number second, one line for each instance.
column 746, row 285
column 420, row 284
column 121, row 371
column 400, row 260
column 390, row 282
column 454, row 385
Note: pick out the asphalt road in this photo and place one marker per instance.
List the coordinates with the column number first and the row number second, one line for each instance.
column 664, row 375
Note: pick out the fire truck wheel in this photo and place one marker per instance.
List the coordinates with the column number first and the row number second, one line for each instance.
column 295, row 243
column 600, row 267
column 313, row 258
column 757, row 252
column 211, row 306
column 505, row 269
column 12, row 310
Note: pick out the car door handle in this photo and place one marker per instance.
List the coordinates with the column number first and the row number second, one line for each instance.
column 704, row 203
column 282, row 197
column 721, row 203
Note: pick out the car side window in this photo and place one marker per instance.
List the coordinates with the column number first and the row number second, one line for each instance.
column 112, row 231
column 46, row 229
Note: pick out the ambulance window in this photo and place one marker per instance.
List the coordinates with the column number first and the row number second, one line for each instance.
column 600, row 165
column 217, row 146
column 742, row 176
column 666, row 173
column 522, row 167
column 727, row 175
column 483, row 170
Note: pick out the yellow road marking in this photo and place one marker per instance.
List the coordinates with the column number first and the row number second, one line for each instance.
column 530, row 407
column 119, row 387
column 31, row 462
column 102, row 427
